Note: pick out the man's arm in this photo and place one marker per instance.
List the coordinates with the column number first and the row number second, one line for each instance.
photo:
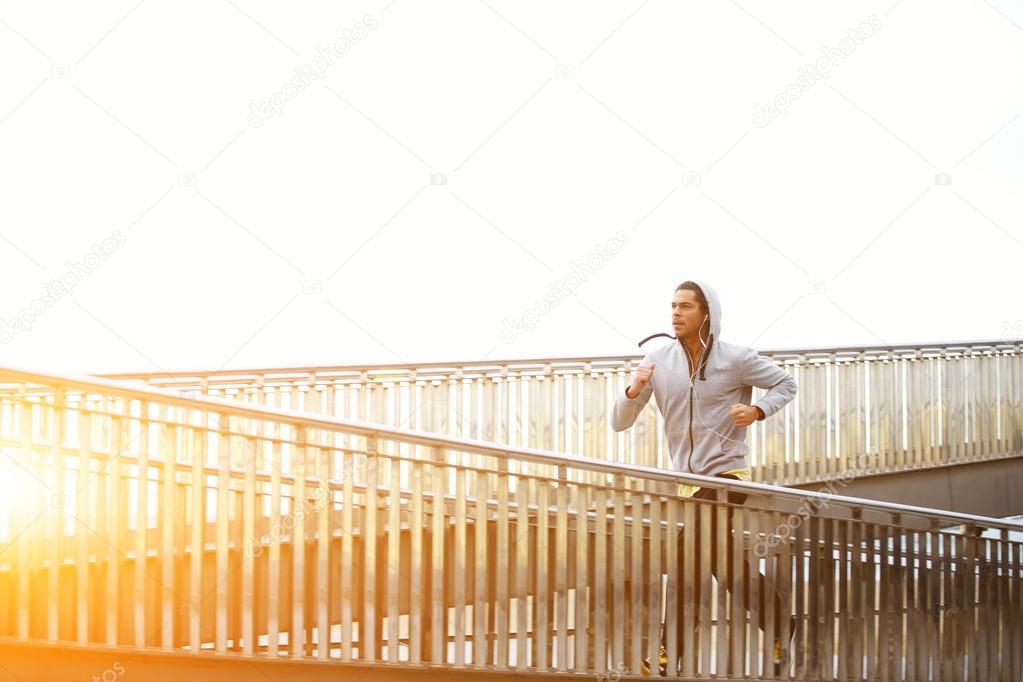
column 762, row 373
column 628, row 405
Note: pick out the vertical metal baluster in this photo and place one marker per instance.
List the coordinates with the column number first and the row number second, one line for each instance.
column 1016, row 630
column 655, row 546
column 83, row 485
column 706, row 510
column 524, row 493
column 899, row 412
column 619, row 605
column 927, row 611
column 417, row 594
column 911, row 368
column 823, row 424
column 673, row 588
column 1016, row 420
column 461, row 568
column 369, row 644
column 850, row 416
column 1007, row 615
column 808, row 458
column 324, row 538
column 798, row 409
column 348, row 562
column 954, row 607
column 502, row 412
column 782, row 583
column 828, row 585
column 273, row 565
column 116, row 521
column 964, row 422
column 987, row 621
column 860, row 442
column 296, row 636
column 438, row 608
column 635, row 582
column 197, row 453
column 927, row 603
column 722, row 629
column 392, row 465
column 560, row 391
column 940, row 598
column 500, row 568
column 55, row 518
column 971, row 535
column 561, row 568
column 912, row 622
column 767, row 605
column 896, row 605
column 139, row 573
column 168, row 549
column 986, row 404
column 800, row 583
column 885, row 638
column 480, row 636
column 815, row 596
column 945, row 600
column 541, row 599
column 587, row 385
column 844, row 608
column 580, row 498
column 927, row 405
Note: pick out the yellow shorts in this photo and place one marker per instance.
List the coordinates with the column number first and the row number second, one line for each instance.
column 743, row 474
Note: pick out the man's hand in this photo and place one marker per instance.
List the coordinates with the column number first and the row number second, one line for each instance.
column 643, row 376
column 744, row 415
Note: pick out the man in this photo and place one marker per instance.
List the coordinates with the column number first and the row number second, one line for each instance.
column 703, row 388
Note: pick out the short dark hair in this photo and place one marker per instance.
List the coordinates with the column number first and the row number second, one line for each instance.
column 689, row 285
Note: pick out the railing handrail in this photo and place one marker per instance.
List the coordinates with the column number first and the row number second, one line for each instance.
column 496, row 365
column 432, row 439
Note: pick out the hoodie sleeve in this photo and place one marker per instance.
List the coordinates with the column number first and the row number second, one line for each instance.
column 763, row 373
column 627, row 409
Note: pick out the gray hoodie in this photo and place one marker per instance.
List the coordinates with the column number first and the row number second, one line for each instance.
column 705, row 440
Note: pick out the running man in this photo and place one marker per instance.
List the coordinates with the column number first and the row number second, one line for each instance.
column 703, row 388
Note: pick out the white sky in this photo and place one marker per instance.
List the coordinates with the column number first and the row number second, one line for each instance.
column 555, row 125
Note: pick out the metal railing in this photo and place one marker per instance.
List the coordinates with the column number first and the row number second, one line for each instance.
column 135, row 517
column 857, row 410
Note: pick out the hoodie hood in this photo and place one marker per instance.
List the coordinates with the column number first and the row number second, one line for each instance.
column 713, row 304
column 714, row 310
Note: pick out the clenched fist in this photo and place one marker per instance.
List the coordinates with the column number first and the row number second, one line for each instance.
column 643, row 376
column 744, row 415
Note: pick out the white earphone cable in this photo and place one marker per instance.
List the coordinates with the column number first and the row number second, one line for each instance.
column 696, row 397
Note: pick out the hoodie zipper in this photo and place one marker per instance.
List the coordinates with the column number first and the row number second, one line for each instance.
column 691, row 429
column 689, row 464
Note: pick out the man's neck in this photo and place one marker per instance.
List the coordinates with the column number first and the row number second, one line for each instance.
column 695, row 348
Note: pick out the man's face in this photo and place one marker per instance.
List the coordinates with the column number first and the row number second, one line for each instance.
column 686, row 314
